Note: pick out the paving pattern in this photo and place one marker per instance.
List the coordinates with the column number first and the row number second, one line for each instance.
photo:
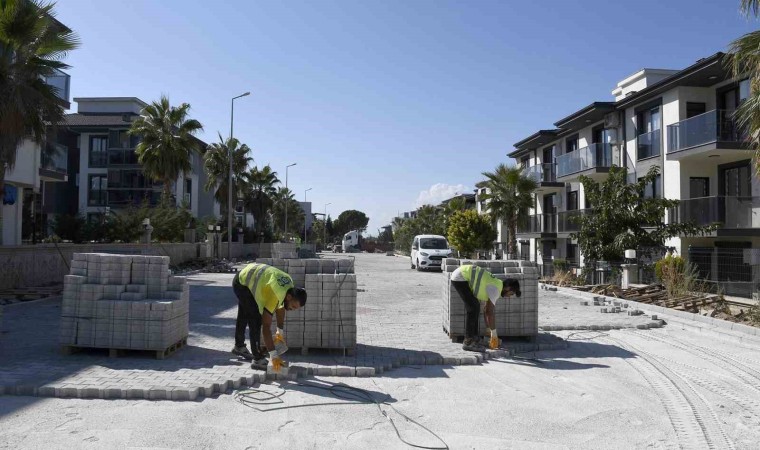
column 398, row 324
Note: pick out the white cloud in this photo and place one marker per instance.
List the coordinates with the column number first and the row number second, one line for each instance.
column 440, row 192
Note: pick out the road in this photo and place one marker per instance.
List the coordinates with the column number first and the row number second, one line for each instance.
column 674, row 387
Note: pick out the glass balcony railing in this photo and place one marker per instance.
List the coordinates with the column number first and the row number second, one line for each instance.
column 55, row 157
column 61, row 82
column 591, row 157
column 648, row 144
column 729, row 212
column 566, row 222
column 541, row 173
column 539, row 223
column 712, row 126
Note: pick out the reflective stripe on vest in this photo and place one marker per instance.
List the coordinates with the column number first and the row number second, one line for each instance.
column 479, row 279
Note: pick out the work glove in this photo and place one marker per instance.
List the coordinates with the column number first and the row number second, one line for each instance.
column 494, row 344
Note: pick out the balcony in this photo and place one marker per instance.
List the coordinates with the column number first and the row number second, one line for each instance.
column 545, row 176
column 61, row 81
column 596, row 158
column 54, row 163
column 539, row 225
column 566, row 222
column 713, row 130
column 648, row 145
column 736, row 215
column 122, row 157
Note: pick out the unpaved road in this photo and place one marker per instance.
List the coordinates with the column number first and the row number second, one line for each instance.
column 675, row 387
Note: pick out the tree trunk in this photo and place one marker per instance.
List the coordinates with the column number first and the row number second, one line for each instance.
column 167, row 195
column 512, row 239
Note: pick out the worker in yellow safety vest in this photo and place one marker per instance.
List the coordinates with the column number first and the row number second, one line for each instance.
column 475, row 285
column 263, row 291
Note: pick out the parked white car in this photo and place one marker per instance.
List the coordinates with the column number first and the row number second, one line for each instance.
column 428, row 250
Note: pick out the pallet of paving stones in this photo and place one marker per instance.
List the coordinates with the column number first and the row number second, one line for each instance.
column 515, row 316
column 124, row 302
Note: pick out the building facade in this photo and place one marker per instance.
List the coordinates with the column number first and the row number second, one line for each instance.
column 680, row 121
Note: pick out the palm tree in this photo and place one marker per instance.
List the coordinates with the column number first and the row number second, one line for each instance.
column 166, row 141
column 284, row 198
column 510, row 195
column 32, row 47
column 262, row 188
column 217, row 164
column 744, row 60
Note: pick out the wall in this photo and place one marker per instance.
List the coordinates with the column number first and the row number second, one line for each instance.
column 12, row 215
column 109, row 105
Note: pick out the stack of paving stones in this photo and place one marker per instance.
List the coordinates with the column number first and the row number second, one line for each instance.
column 328, row 321
column 124, row 302
column 515, row 316
column 284, row 250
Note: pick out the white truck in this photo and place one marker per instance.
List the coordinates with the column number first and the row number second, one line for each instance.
column 351, row 241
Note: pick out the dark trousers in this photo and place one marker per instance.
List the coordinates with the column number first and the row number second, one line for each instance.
column 471, row 306
column 248, row 315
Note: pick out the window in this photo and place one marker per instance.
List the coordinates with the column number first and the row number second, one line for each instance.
column 98, row 151
column 97, row 190
column 188, row 192
column 572, row 200
column 572, row 252
column 571, row 144
column 648, row 133
column 525, row 162
column 743, row 90
column 121, row 139
column 653, row 189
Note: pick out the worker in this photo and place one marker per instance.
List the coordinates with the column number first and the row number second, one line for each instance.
column 263, row 291
column 475, row 284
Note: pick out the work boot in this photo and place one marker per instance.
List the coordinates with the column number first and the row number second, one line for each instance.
column 471, row 345
column 242, row 352
column 260, row 363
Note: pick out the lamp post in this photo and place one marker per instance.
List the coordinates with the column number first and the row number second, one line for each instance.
column 304, row 218
column 324, row 230
column 286, row 199
column 229, row 186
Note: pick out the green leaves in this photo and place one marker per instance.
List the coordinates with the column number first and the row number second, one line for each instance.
column 470, row 231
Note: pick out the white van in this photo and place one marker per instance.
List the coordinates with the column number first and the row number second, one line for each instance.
column 428, row 250
column 350, row 241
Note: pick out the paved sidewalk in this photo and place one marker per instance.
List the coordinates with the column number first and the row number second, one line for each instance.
column 398, row 321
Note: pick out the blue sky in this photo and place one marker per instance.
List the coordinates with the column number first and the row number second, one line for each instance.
column 384, row 104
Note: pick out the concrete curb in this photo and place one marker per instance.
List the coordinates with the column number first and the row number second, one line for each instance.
column 683, row 315
column 225, row 383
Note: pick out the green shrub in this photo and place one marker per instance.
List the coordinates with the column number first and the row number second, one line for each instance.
column 561, row 265
column 672, row 263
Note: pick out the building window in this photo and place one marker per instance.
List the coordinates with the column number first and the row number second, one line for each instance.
column 571, row 144
column 122, row 139
column 97, row 189
column 188, row 192
column 572, row 200
column 653, row 189
column 572, row 253
column 98, row 151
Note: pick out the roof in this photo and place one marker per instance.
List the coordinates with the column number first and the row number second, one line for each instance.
column 110, row 100
column 591, row 113
column 534, row 140
column 705, row 72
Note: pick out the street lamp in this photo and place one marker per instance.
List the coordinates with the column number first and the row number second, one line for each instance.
column 304, row 218
column 324, row 230
column 286, row 199
column 229, row 186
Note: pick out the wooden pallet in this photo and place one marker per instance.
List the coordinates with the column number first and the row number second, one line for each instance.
column 116, row 352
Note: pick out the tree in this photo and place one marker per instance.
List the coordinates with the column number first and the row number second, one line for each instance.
column 623, row 218
column 32, row 47
column 262, row 188
column 166, row 141
column 470, row 231
column 431, row 220
column 510, row 196
column 744, row 60
column 330, row 229
column 284, row 198
column 351, row 220
column 217, row 164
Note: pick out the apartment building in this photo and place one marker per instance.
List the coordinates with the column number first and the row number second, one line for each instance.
column 681, row 121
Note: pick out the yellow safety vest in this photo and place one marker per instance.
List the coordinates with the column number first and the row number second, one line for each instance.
column 267, row 284
column 478, row 278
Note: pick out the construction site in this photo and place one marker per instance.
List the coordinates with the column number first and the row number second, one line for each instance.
column 375, row 362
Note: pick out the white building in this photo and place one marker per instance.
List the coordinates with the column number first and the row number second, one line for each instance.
column 680, row 121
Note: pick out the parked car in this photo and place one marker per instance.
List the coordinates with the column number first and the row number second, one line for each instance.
column 428, row 251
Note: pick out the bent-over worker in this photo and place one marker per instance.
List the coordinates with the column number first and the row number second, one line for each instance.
column 475, row 285
column 263, row 291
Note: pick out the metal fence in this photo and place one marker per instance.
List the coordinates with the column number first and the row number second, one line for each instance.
column 734, row 271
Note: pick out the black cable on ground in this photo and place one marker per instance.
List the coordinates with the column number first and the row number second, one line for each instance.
column 252, row 398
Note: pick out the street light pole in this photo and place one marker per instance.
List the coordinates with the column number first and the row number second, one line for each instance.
column 287, row 192
column 229, row 181
column 324, row 229
column 304, row 218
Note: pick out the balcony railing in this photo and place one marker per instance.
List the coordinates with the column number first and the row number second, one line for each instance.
column 730, row 212
column 541, row 173
column 566, row 222
column 55, row 157
column 539, row 223
column 61, row 82
column 591, row 157
column 648, row 145
column 712, row 126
